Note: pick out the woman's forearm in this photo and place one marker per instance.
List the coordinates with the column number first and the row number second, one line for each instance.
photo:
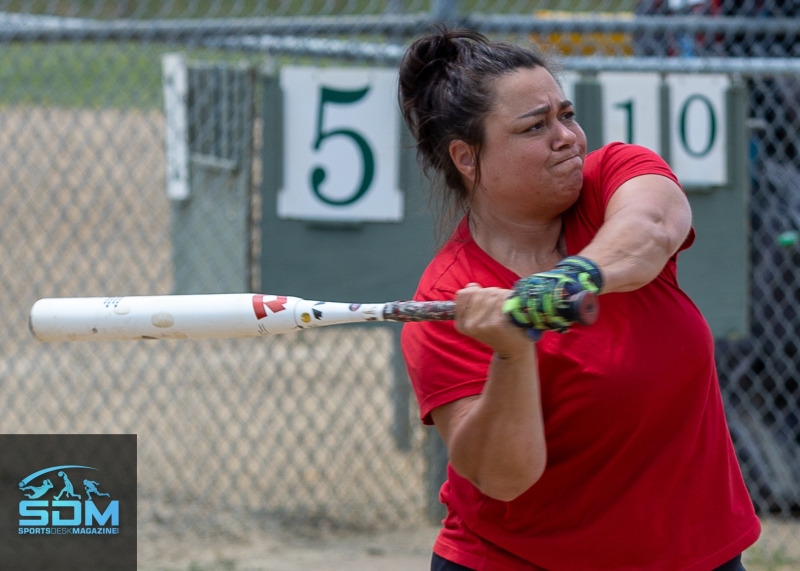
column 631, row 252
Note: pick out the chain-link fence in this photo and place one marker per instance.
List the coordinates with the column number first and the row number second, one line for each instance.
column 318, row 427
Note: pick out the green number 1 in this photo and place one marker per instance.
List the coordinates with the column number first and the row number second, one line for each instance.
column 339, row 97
column 627, row 106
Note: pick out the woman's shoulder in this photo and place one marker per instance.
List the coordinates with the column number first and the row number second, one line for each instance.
column 615, row 148
column 604, row 171
column 445, row 272
column 618, row 157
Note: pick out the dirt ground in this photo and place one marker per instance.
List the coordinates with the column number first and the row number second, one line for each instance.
column 778, row 549
column 404, row 550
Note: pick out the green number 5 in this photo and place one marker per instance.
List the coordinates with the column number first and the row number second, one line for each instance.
column 339, row 97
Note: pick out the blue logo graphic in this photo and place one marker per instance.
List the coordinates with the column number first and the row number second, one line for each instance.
column 66, row 516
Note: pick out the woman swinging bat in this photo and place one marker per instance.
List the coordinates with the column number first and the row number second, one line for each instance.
column 604, row 447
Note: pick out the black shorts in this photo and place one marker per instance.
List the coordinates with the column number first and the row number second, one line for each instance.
column 441, row 564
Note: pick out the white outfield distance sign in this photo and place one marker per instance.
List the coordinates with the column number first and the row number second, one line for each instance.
column 631, row 108
column 696, row 121
column 698, row 128
column 341, row 145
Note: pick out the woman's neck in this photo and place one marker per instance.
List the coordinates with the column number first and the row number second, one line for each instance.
column 523, row 246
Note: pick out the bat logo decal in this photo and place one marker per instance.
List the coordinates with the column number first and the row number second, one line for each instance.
column 275, row 305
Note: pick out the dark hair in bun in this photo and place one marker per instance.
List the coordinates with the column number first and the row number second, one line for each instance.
column 446, row 91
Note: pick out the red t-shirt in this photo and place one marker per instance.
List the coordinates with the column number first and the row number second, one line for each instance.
column 641, row 473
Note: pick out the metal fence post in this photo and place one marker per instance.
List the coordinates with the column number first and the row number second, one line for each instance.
column 588, row 103
column 721, row 218
column 211, row 229
column 663, row 95
column 435, row 475
column 401, row 395
column 445, row 12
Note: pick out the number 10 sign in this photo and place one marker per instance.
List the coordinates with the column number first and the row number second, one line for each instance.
column 341, row 145
column 695, row 121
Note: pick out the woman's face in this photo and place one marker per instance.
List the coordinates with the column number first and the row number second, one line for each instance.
column 533, row 152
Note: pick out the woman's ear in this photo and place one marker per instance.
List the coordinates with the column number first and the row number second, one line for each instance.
column 463, row 157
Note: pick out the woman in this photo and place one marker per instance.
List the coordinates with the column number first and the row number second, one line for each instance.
column 602, row 448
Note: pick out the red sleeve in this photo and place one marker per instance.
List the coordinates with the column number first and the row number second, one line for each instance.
column 605, row 170
column 443, row 364
column 621, row 162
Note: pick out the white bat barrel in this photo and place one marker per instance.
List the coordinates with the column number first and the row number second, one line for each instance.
column 318, row 313
column 187, row 316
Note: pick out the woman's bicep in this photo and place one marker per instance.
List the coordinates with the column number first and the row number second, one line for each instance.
column 447, row 417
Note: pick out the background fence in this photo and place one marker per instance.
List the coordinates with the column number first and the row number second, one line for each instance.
column 304, row 428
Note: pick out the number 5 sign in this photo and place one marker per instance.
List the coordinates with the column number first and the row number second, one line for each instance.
column 341, row 145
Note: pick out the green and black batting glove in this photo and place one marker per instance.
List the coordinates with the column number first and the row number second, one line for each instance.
column 585, row 271
column 541, row 302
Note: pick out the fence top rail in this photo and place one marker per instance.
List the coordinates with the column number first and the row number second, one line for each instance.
column 391, row 54
column 24, row 27
column 628, row 23
column 729, row 65
column 245, row 35
column 43, row 28
column 386, row 54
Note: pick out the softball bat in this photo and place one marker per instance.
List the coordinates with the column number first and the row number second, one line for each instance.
column 222, row 316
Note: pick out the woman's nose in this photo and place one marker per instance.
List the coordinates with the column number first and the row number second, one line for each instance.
column 563, row 136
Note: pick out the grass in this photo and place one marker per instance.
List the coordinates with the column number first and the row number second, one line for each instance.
column 103, row 75
column 81, row 75
column 152, row 9
column 92, row 75
column 778, row 548
column 128, row 75
column 760, row 559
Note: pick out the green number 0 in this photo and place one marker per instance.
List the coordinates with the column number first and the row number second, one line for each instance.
column 712, row 126
column 339, row 97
